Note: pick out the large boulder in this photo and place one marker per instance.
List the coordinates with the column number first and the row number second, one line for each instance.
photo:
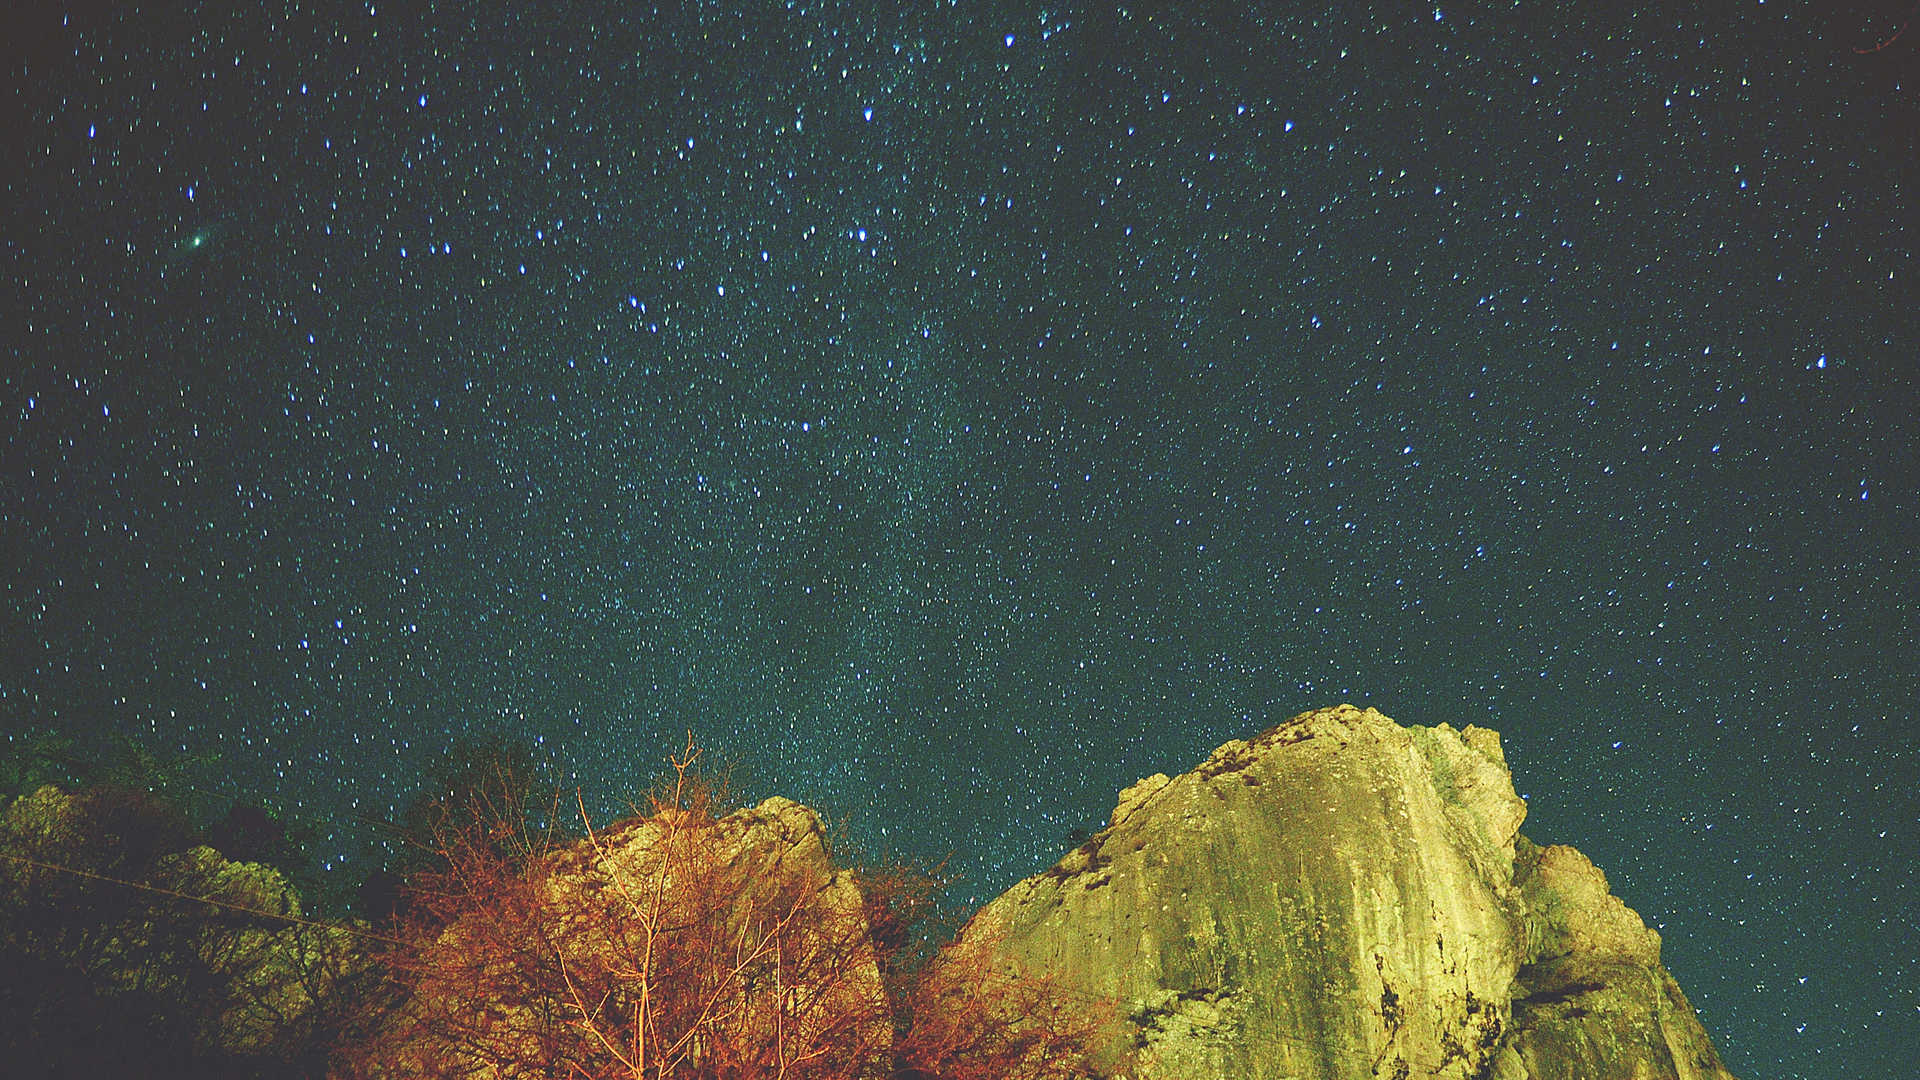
column 1344, row 897
column 801, row 964
column 673, row 943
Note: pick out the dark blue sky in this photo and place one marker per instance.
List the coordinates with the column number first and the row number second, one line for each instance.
column 955, row 411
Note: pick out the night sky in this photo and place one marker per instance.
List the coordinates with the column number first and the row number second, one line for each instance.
column 954, row 411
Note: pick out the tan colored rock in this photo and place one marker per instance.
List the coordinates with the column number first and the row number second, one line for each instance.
column 738, row 935
column 772, row 862
column 1337, row 898
column 1594, row 1000
column 1136, row 796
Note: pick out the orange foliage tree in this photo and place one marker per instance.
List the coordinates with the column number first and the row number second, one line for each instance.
column 683, row 945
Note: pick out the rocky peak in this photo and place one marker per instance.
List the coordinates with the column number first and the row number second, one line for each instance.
column 1342, row 896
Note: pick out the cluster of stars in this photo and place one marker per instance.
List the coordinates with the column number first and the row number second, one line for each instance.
column 953, row 415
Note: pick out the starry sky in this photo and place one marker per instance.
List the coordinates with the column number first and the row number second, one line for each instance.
column 953, row 411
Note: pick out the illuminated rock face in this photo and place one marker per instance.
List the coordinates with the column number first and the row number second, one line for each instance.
column 1345, row 897
column 1595, row 1001
column 738, row 936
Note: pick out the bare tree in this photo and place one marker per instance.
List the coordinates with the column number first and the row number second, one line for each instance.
column 683, row 945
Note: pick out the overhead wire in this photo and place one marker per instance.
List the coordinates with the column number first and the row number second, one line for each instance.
column 1427, row 1068
column 213, row 900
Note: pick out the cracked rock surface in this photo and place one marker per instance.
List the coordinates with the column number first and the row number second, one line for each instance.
column 1342, row 896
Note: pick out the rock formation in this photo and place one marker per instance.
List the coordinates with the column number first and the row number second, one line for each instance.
column 1592, row 995
column 1337, row 898
column 1343, row 897
column 763, row 881
column 670, row 944
column 98, row 934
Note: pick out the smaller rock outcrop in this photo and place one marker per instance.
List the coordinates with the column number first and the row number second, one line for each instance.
column 1593, row 994
column 761, row 883
column 116, row 925
column 666, row 944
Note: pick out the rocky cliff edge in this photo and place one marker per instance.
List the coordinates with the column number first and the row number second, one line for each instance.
column 1344, row 897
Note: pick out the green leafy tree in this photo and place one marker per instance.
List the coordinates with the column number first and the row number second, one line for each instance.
column 129, row 949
